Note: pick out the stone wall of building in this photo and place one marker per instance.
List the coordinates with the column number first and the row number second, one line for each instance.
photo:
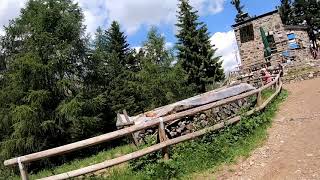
column 252, row 52
column 303, row 40
column 302, row 37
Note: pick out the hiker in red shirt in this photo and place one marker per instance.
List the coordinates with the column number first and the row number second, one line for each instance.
column 266, row 76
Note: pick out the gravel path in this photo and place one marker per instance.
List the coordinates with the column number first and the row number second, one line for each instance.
column 292, row 150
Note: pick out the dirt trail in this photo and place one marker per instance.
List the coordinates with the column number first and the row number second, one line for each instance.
column 292, row 150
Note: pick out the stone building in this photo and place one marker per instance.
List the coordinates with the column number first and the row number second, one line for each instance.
column 282, row 40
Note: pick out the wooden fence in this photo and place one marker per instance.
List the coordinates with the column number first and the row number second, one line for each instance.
column 157, row 122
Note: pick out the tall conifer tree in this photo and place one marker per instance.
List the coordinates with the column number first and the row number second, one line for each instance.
column 160, row 80
column 42, row 48
column 122, row 93
column 285, row 11
column 194, row 49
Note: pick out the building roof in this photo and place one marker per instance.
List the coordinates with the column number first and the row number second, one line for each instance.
column 255, row 17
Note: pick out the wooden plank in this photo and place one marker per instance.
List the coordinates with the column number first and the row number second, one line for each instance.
column 126, row 124
column 23, row 171
column 123, row 132
column 133, row 137
column 259, row 99
column 162, row 138
column 265, row 103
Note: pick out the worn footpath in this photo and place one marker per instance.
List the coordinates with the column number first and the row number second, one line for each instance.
column 292, row 150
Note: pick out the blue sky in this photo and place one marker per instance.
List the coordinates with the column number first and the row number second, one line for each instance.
column 220, row 22
column 137, row 16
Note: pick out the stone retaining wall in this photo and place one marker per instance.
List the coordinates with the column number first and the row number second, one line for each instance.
column 201, row 120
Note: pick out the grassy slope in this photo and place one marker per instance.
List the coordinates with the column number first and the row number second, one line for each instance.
column 79, row 163
column 190, row 159
column 301, row 71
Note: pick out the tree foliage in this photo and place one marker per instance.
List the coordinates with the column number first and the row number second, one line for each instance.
column 161, row 79
column 122, row 92
column 285, row 11
column 302, row 12
column 43, row 49
column 195, row 50
column 58, row 86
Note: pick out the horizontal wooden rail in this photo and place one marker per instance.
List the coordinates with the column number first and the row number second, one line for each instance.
column 123, row 132
column 137, row 154
column 157, row 147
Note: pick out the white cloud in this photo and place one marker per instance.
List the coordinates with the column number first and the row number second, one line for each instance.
column 227, row 48
column 169, row 45
column 2, row 32
column 208, row 6
column 132, row 15
column 9, row 9
column 137, row 48
column 94, row 14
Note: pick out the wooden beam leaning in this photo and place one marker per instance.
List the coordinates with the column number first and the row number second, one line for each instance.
column 126, row 131
column 162, row 138
column 133, row 137
column 259, row 99
column 23, row 171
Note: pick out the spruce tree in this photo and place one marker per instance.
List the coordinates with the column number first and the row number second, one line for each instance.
column 195, row 52
column 285, row 11
column 2, row 59
column 155, row 49
column 42, row 48
column 96, row 76
column 121, row 66
column 100, row 40
column 108, row 80
column 117, row 43
column 160, row 80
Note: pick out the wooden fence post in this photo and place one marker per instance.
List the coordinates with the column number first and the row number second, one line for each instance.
column 259, row 99
column 261, row 81
column 133, row 137
column 23, row 171
column 274, row 86
column 279, row 81
column 162, row 138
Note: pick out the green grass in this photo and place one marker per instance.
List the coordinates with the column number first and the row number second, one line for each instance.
column 301, row 71
column 190, row 159
column 267, row 93
column 80, row 163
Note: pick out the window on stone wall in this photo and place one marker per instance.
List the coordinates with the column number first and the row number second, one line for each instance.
column 246, row 33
